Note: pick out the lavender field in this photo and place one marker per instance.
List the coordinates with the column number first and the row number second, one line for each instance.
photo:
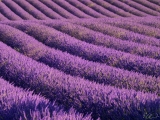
column 79, row 60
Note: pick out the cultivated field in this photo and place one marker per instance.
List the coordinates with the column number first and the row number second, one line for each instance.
column 80, row 60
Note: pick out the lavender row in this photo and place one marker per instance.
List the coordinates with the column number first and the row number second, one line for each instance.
column 58, row 9
column 114, row 31
column 149, row 5
column 73, row 10
column 85, row 9
column 17, row 103
column 151, row 24
column 102, row 101
column 97, row 38
column 137, row 28
column 122, row 33
column 148, row 21
column 112, row 8
column 8, row 13
column 155, row 2
column 141, row 7
column 31, row 10
column 2, row 17
column 73, row 65
column 99, row 9
column 127, row 8
column 18, row 10
column 134, row 19
column 142, row 20
column 58, row 40
column 45, row 10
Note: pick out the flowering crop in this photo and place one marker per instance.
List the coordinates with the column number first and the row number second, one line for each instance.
column 61, row 41
column 141, row 7
column 96, row 38
column 120, row 33
column 83, row 95
column 72, row 9
column 58, row 9
column 85, row 9
column 79, row 60
column 18, row 10
column 112, row 8
column 99, row 8
column 32, row 10
column 76, row 66
column 47, row 11
column 8, row 13
column 22, row 104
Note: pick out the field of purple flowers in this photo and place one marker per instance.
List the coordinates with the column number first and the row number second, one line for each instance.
column 79, row 60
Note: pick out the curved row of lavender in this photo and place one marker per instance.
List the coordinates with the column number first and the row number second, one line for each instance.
column 98, row 8
column 2, row 17
column 64, row 42
column 79, row 59
column 56, row 9
column 8, row 13
column 127, row 8
column 113, row 8
column 123, row 34
column 45, row 10
column 60, row 10
column 85, row 9
column 20, row 104
column 86, row 97
column 76, row 66
column 31, row 9
column 97, row 38
column 138, row 28
column 18, row 10
column 141, row 7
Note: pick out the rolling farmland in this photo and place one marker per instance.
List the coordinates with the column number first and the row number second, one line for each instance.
column 79, row 60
